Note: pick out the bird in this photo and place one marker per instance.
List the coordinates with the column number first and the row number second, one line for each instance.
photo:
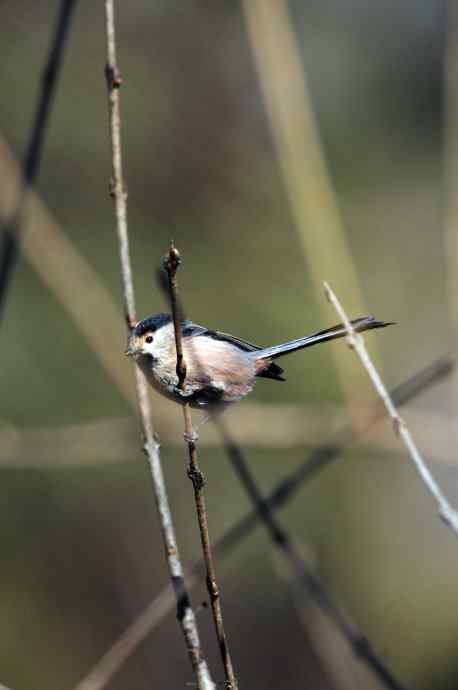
column 221, row 369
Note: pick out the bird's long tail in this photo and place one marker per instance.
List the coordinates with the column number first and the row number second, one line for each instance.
column 363, row 324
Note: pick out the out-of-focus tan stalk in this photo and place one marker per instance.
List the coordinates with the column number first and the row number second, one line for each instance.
column 300, row 155
column 289, row 427
column 450, row 157
column 68, row 276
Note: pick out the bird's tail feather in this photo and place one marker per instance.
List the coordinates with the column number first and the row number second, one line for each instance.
column 365, row 323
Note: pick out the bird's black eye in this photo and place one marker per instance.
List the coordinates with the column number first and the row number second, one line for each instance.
column 149, row 339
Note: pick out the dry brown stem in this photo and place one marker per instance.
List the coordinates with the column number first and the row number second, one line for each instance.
column 171, row 264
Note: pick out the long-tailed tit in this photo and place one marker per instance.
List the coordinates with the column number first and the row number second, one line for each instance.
column 220, row 368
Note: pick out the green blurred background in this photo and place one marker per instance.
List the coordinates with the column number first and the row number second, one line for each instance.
column 80, row 543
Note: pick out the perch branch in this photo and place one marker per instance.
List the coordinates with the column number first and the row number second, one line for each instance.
column 185, row 613
column 171, row 263
column 12, row 226
column 285, row 490
column 356, row 342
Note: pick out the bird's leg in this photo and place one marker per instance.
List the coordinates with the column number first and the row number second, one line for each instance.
column 195, row 431
column 192, row 437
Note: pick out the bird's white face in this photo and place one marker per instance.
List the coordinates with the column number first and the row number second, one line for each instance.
column 156, row 344
column 139, row 344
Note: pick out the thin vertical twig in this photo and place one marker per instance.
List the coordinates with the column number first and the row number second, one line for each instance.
column 284, row 491
column 185, row 613
column 11, row 229
column 171, row 264
column 355, row 340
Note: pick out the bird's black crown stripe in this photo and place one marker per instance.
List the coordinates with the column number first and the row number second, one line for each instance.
column 152, row 323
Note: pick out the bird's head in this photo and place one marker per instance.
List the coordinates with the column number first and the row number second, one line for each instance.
column 143, row 339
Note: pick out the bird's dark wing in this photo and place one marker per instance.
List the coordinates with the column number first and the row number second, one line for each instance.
column 190, row 329
column 271, row 371
column 238, row 342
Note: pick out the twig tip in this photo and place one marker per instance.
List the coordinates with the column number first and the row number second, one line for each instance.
column 172, row 259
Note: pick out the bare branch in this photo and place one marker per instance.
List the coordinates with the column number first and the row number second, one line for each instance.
column 285, row 491
column 12, row 227
column 356, row 342
column 171, row 264
column 185, row 613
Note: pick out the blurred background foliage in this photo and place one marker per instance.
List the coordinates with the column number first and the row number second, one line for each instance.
column 81, row 552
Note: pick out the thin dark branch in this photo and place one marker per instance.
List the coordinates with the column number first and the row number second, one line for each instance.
column 314, row 587
column 12, row 227
column 185, row 613
column 317, row 460
column 171, row 264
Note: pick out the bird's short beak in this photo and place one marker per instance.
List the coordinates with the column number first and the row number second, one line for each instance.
column 129, row 352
